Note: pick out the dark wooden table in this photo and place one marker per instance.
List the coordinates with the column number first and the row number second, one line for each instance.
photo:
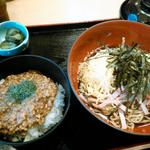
column 79, row 130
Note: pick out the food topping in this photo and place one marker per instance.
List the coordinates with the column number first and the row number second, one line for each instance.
column 25, row 100
column 13, row 38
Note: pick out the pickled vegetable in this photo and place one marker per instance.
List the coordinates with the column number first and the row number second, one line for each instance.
column 14, row 35
column 7, row 45
column 13, row 38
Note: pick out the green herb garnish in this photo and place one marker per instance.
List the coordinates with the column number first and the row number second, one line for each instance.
column 21, row 91
column 131, row 71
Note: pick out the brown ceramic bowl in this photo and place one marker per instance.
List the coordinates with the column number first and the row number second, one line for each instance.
column 109, row 33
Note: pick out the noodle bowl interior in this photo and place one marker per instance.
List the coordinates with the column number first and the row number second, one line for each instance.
column 115, row 84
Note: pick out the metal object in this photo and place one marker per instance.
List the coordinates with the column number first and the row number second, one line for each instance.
column 136, row 10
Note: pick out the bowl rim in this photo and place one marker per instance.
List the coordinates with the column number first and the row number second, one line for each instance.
column 24, row 42
column 73, row 89
column 48, row 132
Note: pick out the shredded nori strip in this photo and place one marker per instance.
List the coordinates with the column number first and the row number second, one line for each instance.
column 131, row 71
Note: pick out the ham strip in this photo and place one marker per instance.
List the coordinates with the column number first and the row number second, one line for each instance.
column 122, row 119
column 144, row 108
column 114, row 98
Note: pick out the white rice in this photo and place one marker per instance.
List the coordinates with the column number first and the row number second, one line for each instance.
column 6, row 147
column 53, row 117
